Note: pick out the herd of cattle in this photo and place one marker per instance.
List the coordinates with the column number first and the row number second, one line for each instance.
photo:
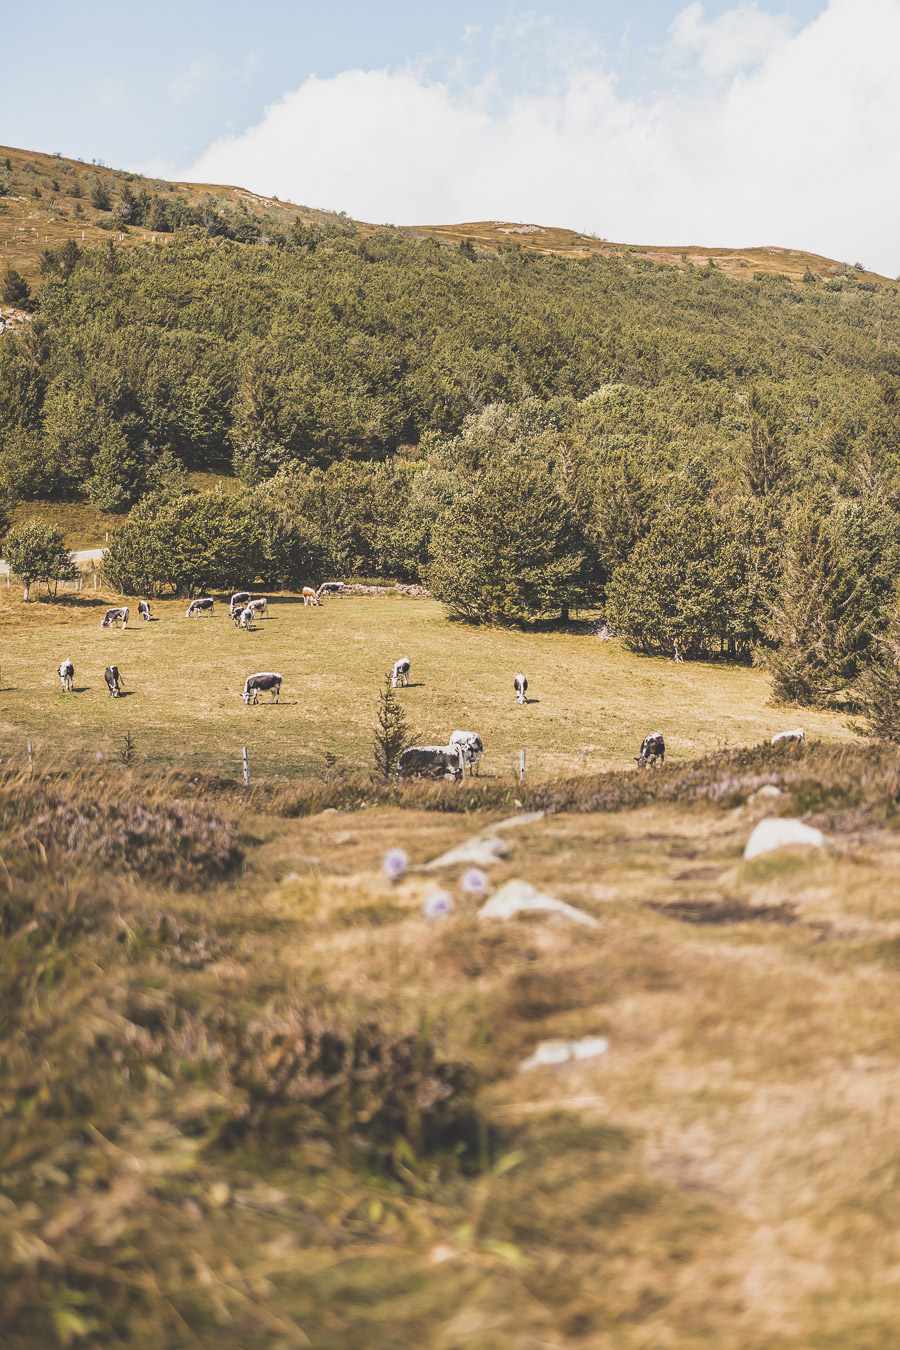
column 463, row 750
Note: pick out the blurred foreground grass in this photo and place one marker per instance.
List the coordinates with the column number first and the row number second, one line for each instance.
column 251, row 1098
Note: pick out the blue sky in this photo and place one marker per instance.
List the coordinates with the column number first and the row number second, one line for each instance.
column 749, row 122
column 131, row 84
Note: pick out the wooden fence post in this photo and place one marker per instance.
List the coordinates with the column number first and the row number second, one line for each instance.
column 521, row 765
column 246, row 768
column 30, row 760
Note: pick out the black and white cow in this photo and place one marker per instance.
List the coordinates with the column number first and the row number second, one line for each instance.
column 400, row 671
column 66, row 674
column 238, row 601
column 472, row 748
column 245, row 619
column 113, row 680
column 653, row 750
column 330, row 588
column 433, row 761
column 259, row 608
column 520, row 684
column 203, row 605
column 114, row 616
column 144, row 610
column 795, row 737
column 266, row 679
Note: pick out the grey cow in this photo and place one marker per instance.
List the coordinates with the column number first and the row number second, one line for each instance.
column 433, row 761
column 113, row 680
column 265, row 679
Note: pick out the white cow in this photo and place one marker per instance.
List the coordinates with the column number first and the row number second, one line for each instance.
column 66, row 674
column 202, row 605
column 400, row 671
column 795, row 737
column 520, row 684
column 259, row 608
column 472, row 747
column 310, row 596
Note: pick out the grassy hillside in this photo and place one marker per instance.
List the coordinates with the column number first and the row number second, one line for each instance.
column 591, row 703
column 29, row 224
column 192, row 1158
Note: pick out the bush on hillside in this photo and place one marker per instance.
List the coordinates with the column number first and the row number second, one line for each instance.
column 200, row 542
column 14, row 289
column 37, row 552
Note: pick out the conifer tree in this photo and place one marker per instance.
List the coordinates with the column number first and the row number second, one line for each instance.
column 878, row 688
column 392, row 733
column 815, row 622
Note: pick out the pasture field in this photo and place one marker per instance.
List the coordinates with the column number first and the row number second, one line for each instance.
column 591, row 703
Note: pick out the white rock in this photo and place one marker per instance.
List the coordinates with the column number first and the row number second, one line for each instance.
column 526, row 818
column 517, row 897
column 560, row 1052
column 772, row 834
column 767, row 790
column 483, row 850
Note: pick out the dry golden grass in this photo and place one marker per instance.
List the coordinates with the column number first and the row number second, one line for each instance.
column 725, row 1175
column 591, row 702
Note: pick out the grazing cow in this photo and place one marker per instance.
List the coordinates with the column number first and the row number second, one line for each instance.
column 202, row 605
column 310, row 597
column 144, row 610
column 472, row 748
column 433, row 761
column 259, row 607
column 400, row 671
column 113, row 680
column 238, row 601
column 266, row 679
column 653, row 750
column 795, row 737
column 67, row 675
column 245, row 619
column 330, row 588
column 114, row 616
column 520, row 684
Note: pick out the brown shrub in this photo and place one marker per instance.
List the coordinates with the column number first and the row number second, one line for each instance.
column 178, row 843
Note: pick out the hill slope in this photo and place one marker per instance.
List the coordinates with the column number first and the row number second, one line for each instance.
column 63, row 210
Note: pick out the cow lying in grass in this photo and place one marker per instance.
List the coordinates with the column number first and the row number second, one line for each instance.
column 795, row 737
column 433, row 761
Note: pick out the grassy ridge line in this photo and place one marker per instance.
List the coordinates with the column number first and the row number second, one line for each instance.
column 592, row 702
column 27, row 226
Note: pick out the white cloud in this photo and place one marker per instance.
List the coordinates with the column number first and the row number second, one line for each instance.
column 759, row 135
column 739, row 38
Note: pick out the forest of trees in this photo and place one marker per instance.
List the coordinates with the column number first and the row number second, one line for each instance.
column 711, row 463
